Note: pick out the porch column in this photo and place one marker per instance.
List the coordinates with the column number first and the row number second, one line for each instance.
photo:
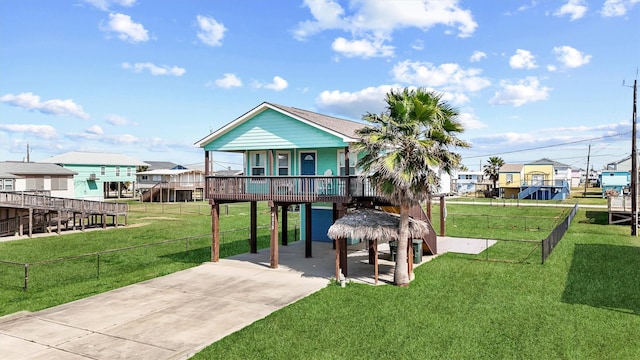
column 429, row 207
column 59, row 222
column 307, row 236
column 347, row 183
column 30, row 222
column 274, row 236
column 442, row 216
column 253, row 238
column 215, row 232
column 285, row 225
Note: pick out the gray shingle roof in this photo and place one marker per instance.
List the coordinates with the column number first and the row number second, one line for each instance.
column 19, row 168
column 341, row 126
column 511, row 168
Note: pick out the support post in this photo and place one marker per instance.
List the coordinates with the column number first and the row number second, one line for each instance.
column 274, row 237
column 215, row 232
column 285, row 225
column 253, row 237
column 59, row 222
column 338, row 259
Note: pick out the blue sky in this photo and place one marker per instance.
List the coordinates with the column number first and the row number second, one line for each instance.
column 150, row 78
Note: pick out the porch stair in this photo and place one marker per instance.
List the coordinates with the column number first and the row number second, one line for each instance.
column 528, row 191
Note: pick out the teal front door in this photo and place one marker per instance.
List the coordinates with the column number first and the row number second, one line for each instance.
column 307, row 163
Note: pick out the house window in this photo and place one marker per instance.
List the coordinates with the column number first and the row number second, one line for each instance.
column 468, row 177
column 144, row 177
column 117, row 170
column 283, row 164
column 352, row 163
column 34, row 183
column 59, row 183
column 128, row 171
column 103, row 170
column 8, row 185
column 258, row 164
column 509, row 178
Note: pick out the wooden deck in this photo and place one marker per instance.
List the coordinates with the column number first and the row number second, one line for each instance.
column 620, row 210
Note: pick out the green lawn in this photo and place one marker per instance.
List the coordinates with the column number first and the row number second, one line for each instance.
column 59, row 282
column 583, row 303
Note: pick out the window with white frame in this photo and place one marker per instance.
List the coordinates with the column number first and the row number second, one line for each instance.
column 128, row 171
column 352, row 163
column 8, row 185
column 59, row 183
column 509, row 178
column 258, row 164
column 117, row 170
column 283, row 164
column 103, row 170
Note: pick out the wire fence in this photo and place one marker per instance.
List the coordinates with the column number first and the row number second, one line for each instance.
column 116, row 263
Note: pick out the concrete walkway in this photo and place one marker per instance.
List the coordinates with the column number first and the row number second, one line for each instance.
column 177, row 315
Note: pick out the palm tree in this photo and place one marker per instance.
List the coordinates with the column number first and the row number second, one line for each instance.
column 492, row 170
column 402, row 152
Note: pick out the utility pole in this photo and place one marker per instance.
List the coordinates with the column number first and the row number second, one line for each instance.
column 586, row 176
column 634, row 167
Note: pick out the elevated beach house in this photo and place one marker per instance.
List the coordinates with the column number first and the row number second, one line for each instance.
column 291, row 156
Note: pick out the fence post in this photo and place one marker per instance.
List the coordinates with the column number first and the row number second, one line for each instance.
column 26, row 277
column 98, row 266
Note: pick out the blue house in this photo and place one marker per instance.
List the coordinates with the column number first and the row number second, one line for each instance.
column 291, row 156
column 614, row 182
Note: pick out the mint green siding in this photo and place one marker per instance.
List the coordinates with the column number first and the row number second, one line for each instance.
column 86, row 188
column 273, row 130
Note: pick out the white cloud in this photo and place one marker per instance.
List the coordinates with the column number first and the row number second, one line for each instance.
column 574, row 8
column 229, row 80
column 154, row 69
column 95, row 129
column 30, row 101
column 106, row 4
column 117, row 120
column 125, row 28
column 418, row 45
column 362, row 48
column 570, row 57
column 524, row 91
column 522, row 59
column 278, row 84
column 211, row 32
column 374, row 22
column 552, row 68
column 448, row 77
column 477, row 56
column 470, row 121
column 41, row 131
column 354, row 104
column 617, row 7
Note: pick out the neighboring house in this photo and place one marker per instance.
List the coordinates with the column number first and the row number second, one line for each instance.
column 614, row 182
column 98, row 173
column 291, row 156
column 576, row 177
column 41, row 178
column 171, row 185
column 160, row 165
column 510, row 178
column 468, row 181
column 538, row 180
column 621, row 165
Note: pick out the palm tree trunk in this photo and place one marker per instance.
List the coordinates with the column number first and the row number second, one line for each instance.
column 401, row 274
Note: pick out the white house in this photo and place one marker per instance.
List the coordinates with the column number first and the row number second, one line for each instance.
column 49, row 179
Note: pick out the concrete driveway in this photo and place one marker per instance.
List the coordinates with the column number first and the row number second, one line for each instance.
column 177, row 315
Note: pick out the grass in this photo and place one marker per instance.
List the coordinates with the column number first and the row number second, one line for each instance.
column 583, row 303
column 593, row 196
column 58, row 282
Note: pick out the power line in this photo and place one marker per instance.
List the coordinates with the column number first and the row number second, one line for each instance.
column 547, row 146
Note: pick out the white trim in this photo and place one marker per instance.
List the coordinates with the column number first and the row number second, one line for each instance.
column 277, row 165
column 251, row 165
column 353, row 156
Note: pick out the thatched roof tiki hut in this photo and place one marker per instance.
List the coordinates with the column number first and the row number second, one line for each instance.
column 369, row 225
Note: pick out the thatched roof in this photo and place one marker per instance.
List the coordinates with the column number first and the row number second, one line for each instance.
column 369, row 224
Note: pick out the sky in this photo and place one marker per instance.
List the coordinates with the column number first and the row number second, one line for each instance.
column 148, row 78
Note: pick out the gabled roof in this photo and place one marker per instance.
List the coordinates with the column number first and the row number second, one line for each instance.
column 20, row 168
column 155, row 165
column 511, row 168
column 546, row 161
column 91, row 158
column 342, row 128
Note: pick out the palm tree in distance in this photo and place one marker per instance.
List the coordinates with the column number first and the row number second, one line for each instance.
column 403, row 150
column 492, row 171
